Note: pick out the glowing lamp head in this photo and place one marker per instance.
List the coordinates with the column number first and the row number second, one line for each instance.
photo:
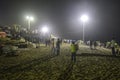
column 44, row 29
column 84, row 18
column 29, row 18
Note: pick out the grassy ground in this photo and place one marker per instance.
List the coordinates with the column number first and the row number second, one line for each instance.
column 40, row 64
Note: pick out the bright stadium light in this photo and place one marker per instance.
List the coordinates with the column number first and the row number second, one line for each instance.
column 45, row 29
column 31, row 18
column 27, row 17
column 84, row 18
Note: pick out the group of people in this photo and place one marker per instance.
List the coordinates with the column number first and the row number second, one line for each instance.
column 55, row 47
column 93, row 43
column 113, row 45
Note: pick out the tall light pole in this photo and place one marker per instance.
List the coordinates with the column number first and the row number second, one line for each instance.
column 29, row 18
column 84, row 18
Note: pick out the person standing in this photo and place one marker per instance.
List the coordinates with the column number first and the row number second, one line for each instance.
column 113, row 46
column 58, row 46
column 91, row 44
column 46, row 42
column 95, row 44
column 53, row 46
column 117, row 48
column 49, row 42
column 73, row 51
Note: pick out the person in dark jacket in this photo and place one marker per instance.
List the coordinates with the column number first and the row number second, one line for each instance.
column 58, row 46
column 91, row 44
column 95, row 44
column 52, row 44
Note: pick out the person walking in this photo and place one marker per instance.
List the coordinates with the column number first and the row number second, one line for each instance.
column 58, row 46
column 73, row 51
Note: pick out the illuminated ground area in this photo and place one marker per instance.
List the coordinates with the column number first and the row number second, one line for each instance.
column 38, row 64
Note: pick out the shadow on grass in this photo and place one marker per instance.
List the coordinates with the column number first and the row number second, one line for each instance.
column 96, row 55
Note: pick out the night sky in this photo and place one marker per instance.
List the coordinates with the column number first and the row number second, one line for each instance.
column 62, row 16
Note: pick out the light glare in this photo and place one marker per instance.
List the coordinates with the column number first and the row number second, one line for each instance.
column 84, row 18
column 27, row 17
column 44, row 29
column 30, row 18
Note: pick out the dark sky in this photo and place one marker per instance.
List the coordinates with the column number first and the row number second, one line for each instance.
column 62, row 16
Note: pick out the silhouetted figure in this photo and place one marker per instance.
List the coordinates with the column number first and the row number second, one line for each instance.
column 88, row 43
column 91, row 44
column 46, row 43
column 49, row 42
column 61, row 41
column 95, row 44
column 58, row 46
column 117, row 49
column 113, row 46
column 53, row 46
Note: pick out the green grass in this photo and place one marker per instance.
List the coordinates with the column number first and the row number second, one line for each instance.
column 39, row 64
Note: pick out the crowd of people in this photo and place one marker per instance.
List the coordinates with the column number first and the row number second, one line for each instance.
column 55, row 47
column 55, row 44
